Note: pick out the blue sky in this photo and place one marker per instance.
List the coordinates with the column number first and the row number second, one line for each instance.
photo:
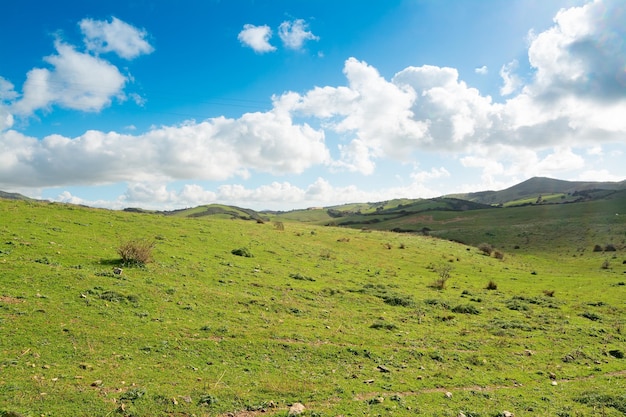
column 282, row 104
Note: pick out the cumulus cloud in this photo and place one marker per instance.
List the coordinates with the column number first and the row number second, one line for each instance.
column 115, row 36
column 76, row 81
column 295, row 33
column 215, row 149
column 257, row 38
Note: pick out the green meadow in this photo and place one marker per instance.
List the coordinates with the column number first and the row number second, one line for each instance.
column 242, row 318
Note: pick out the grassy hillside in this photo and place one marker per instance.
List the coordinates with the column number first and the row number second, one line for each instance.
column 218, row 211
column 344, row 321
column 532, row 188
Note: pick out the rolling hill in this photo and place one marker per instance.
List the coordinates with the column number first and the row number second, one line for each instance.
column 345, row 321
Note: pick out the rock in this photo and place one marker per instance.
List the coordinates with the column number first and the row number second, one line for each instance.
column 448, row 394
column 96, row 383
column 507, row 414
column 554, row 383
column 383, row 368
column 552, row 375
column 296, row 409
column 118, row 271
column 461, row 415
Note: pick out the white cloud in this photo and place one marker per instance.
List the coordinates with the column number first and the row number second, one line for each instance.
column 115, row 36
column 257, row 38
column 601, row 175
column 76, row 81
column 7, row 91
column 215, row 149
column 512, row 82
column 434, row 173
column 295, row 33
column 482, row 70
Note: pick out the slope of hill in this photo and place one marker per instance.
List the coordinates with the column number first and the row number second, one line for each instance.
column 14, row 196
column 343, row 321
column 218, row 211
column 540, row 186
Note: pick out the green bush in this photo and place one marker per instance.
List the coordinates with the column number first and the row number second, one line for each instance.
column 492, row 285
column 245, row 252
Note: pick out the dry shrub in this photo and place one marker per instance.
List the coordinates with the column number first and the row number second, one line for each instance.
column 498, row 254
column 485, row 248
column 136, row 251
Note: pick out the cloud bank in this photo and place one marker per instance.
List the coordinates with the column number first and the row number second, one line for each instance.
column 575, row 97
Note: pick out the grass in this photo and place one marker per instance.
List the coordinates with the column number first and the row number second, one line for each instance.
column 314, row 317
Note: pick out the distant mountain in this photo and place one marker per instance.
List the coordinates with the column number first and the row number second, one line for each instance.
column 540, row 186
column 14, row 196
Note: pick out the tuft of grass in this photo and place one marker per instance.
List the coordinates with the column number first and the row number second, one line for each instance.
column 245, row 252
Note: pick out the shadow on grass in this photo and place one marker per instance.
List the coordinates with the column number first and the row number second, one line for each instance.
column 111, row 262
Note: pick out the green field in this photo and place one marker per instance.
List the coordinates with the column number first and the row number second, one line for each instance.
column 346, row 321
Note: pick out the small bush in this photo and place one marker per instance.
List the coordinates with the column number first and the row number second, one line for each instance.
column 498, row 254
column 245, row 252
column 279, row 226
column 136, row 252
column 597, row 248
column 491, row 285
column 610, row 248
column 606, row 264
column 548, row 293
column 485, row 248
column 444, row 276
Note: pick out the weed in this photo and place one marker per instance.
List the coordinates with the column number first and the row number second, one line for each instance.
column 207, row 399
column 301, row 277
column 606, row 264
column 491, row 285
column 498, row 254
column 548, row 293
column 444, row 276
column 382, row 325
column 465, row 309
column 136, row 252
column 399, row 300
column 279, row 226
column 597, row 400
column 132, row 394
column 245, row 252
column 517, row 305
column 591, row 316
